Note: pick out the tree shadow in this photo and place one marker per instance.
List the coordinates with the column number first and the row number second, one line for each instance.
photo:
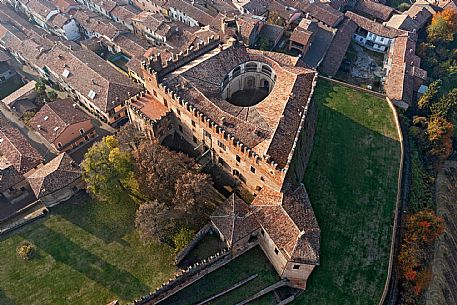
column 351, row 180
column 119, row 282
column 109, row 222
column 4, row 299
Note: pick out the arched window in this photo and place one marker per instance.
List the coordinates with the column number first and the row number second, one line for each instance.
column 251, row 67
column 266, row 69
column 236, row 71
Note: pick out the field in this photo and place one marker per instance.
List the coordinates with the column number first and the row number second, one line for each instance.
column 87, row 253
column 352, row 184
column 250, row 263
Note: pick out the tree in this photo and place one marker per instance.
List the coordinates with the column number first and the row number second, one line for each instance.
column 129, row 137
column 192, row 196
column 157, row 169
column 26, row 250
column 108, row 171
column 443, row 26
column 403, row 6
column 40, row 87
column 51, row 95
column 446, row 106
column 424, row 227
column 440, row 132
column 182, row 238
column 153, row 221
column 430, row 96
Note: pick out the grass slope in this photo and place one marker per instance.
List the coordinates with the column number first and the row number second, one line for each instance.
column 352, row 184
column 86, row 254
column 250, row 263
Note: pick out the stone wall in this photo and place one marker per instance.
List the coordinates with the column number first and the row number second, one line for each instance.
column 199, row 236
column 185, row 278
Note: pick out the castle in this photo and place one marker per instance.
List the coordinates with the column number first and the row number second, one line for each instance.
column 251, row 113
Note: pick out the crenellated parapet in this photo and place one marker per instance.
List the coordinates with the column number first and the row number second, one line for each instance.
column 156, row 65
column 224, row 136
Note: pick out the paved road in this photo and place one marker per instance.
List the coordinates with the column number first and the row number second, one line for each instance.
column 39, row 143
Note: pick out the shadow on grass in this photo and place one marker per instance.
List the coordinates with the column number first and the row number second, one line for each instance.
column 4, row 299
column 63, row 250
column 352, row 183
column 109, row 222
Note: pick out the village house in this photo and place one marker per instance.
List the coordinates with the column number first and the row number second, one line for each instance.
column 48, row 16
column 18, row 159
column 89, row 79
column 263, row 142
column 56, row 181
column 338, row 47
column 6, row 72
column 187, row 13
column 22, row 100
column 302, row 36
column 249, row 29
column 153, row 6
column 404, row 75
column 152, row 26
column 371, row 34
column 415, row 18
column 373, row 9
column 63, row 125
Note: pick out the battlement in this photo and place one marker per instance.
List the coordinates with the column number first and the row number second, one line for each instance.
column 156, row 65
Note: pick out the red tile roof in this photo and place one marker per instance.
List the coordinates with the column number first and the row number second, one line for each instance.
column 53, row 118
column 374, row 9
column 54, row 175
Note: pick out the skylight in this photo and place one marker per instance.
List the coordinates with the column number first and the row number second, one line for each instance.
column 92, row 94
column 65, row 73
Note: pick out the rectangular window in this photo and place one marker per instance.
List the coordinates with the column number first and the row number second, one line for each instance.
column 238, row 159
column 276, row 251
column 178, row 111
column 180, row 128
column 296, row 267
column 262, row 178
column 253, row 169
column 262, row 232
column 221, row 145
column 194, row 139
column 193, row 123
column 206, row 134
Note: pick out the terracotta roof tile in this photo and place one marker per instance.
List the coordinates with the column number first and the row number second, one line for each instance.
column 54, row 175
column 374, row 9
column 53, row 118
column 338, row 47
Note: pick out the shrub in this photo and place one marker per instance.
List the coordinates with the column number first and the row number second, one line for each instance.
column 26, row 250
column 403, row 6
column 182, row 238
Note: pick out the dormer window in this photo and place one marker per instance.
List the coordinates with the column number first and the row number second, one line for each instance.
column 46, row 118
column 56, row 128
column 92, row 94
column 65, row 73
column 81, row 131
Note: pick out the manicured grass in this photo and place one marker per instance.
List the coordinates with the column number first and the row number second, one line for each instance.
column 352, row 184
column 250, row 263
column 86, row 254
column 10, row 86
column 209, row 245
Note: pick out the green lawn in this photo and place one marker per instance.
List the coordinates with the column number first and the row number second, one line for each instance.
column 10, row 86
column 209, row 245
column 250, row 263
column 352, row 184
column 87, row 254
